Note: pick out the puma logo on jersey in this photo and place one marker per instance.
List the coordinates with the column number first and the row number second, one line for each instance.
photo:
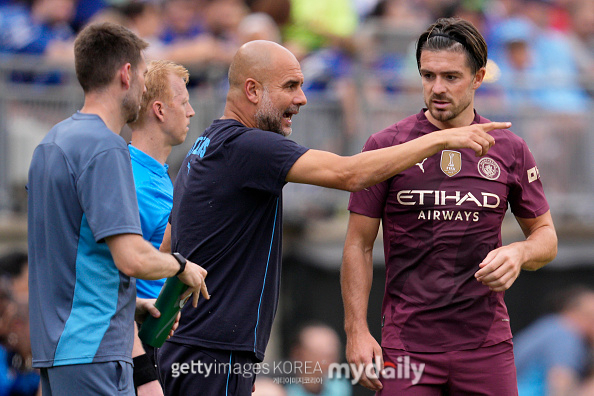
column 420, row 165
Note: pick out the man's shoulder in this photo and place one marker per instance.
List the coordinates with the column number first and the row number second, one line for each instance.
column 396, row 133
column 503, row 137
column 77, row 133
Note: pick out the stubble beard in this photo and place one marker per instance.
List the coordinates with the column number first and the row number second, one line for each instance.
column 268, row 118
column 130, row 109
column 445, row 116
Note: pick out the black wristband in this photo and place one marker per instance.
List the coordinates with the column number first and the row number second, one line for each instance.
column 182, row 262
column 144, row 370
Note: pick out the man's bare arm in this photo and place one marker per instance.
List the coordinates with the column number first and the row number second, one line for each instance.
column 366, row 169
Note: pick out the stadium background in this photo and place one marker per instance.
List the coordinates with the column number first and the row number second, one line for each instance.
column 356, row 85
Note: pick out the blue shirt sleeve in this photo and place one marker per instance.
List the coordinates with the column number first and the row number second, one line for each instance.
column 107, row 195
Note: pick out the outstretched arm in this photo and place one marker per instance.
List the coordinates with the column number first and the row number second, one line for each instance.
column 366, row 169
column 355, row 279
column 502, row 266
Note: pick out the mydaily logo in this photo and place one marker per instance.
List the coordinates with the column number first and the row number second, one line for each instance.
column 402, row 369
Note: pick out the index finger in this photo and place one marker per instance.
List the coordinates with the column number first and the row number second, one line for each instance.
column 489, row 126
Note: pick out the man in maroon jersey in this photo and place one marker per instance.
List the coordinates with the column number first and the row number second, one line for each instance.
column 445, row 324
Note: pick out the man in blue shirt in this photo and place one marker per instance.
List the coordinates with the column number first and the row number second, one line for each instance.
column 163, row 122
column 316, row 347
column 227, row 214
column 552, row 354
column 85, row 243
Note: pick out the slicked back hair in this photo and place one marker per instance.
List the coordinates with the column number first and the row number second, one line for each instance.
column 454, row 34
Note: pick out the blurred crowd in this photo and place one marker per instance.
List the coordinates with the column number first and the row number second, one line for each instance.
column 541, row 51
column 355, row 54
column 17, row 377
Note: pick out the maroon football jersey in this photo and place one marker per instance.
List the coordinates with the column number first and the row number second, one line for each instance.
column 440, row 218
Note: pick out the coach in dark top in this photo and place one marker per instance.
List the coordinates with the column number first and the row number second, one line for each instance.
column 446, row 269
column 227, row 215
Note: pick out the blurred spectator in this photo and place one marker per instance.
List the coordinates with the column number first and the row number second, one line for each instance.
column 538, row 69
column 222, row 17
column 38, row 27
column 321, row 35
column 279, row 10
column 85, row 10
column 14, row 267
column 318, row 24
column 317, row 346
column 365, row 7
column 581, row 38
column 267, row 387
column 385, row 40
column 144, row 18
column 17, row 377
column 181, row 20
column 552, row 354
column 175, row 31
column 258, row 26
column 7, row 309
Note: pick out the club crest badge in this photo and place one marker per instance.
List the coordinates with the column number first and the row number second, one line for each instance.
column 451, row 162
column 489, row 169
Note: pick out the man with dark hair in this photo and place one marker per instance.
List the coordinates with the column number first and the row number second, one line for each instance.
column 446, row 269
column 85, row 239
column 227, row 213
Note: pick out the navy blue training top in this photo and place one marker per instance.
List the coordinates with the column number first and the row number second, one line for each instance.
column 227, row 217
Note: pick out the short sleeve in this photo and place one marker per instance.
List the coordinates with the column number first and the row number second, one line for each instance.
column 527, row 198
column 370, row 201
column 106, row 192
column 264, row 159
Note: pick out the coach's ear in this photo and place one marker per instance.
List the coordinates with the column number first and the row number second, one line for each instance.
column 159, row 110
column 253, row 90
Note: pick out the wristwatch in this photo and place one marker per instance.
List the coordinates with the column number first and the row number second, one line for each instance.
column 182, row 262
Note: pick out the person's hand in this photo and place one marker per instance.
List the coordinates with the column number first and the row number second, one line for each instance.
column 362, row 351
column 152, row 388
column 473, row 136
column 193, row 276
column 145, row 307
column 500, row 268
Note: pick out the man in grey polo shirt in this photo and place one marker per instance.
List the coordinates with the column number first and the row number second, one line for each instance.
column 85, row 239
